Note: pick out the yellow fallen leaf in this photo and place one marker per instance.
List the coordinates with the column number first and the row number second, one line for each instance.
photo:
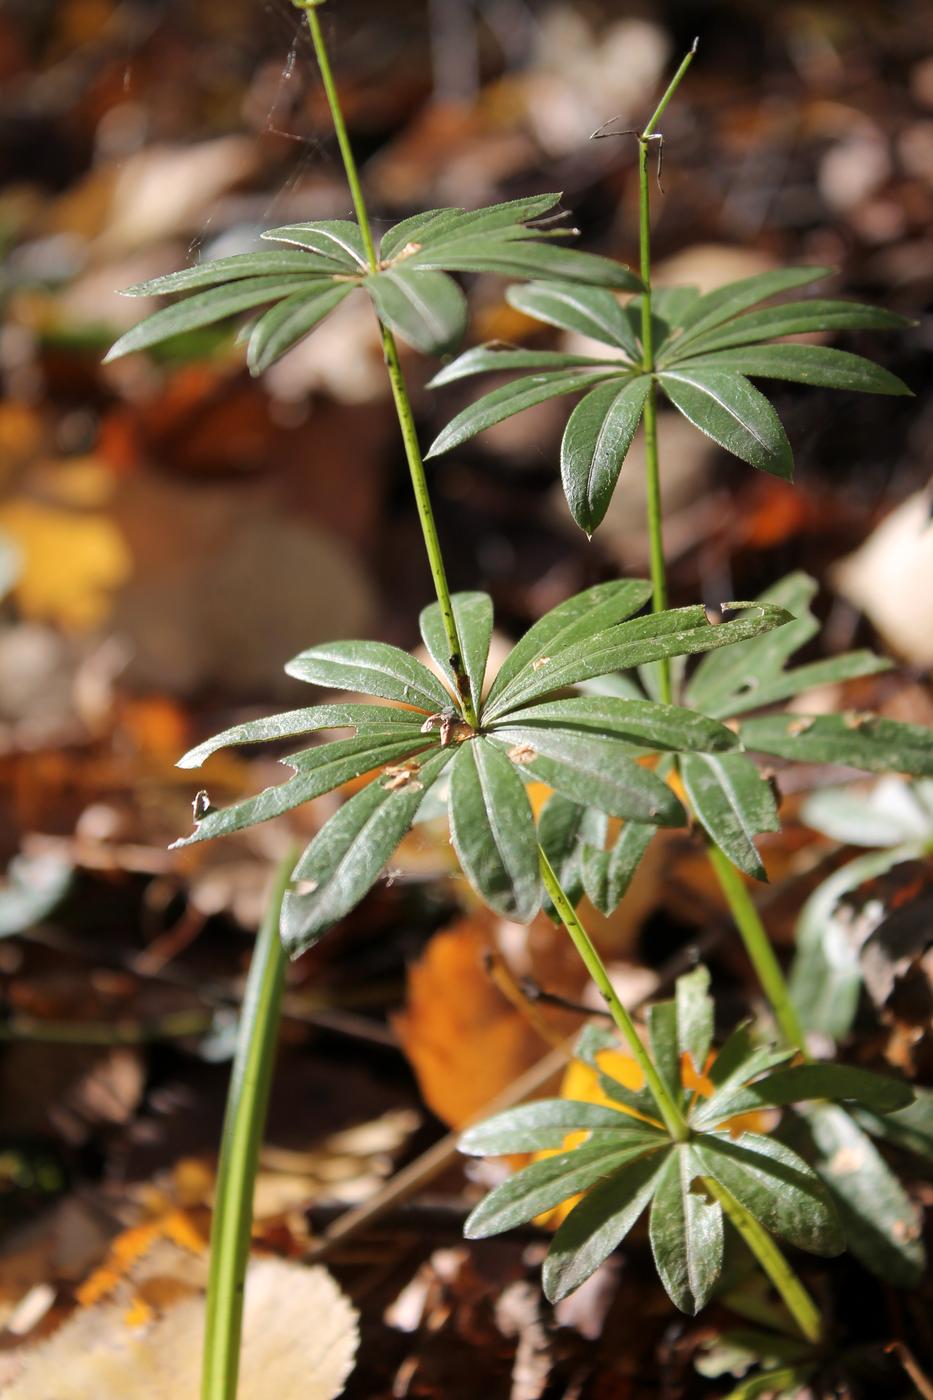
column 72, row 561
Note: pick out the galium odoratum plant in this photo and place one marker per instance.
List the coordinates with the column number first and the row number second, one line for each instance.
column 691, row 1182
column 547, row 716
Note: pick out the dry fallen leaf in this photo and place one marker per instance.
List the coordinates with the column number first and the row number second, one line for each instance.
column 98, row 1355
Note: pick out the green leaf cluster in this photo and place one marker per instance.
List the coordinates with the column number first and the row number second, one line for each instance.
column 706, row 351
column 587, row 748
column 628, row 1164
column 730, row 798
column 410, row 289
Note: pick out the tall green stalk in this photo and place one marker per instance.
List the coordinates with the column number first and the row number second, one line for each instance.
column 671, row 1115
column 396, row 377
column 244, row 1121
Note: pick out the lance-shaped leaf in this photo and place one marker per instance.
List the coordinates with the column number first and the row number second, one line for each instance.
column 854, row 739
column 724, row 675
column 509, row 399
column 493, row 832
column 319, row 770
column 800, row 679
column 348, row 854
column 271, row 262
column 665, row 1047
column 427, row 309
column 725, row 302
column 804, row 364
column 581, row 616
column 202, row 309
column 686, row 1233
column 564, row 829
column 527, row 257
column 676, row 632
column 731, row 411
column 284, row 324
column 494, row 359
column 793, row 318
column 596, row 440
column 365, row 719
column 588, row 311
column 598, row 1224
column 644, row 724
column 881, row 1223
column 373, row 668
column 910, row 1129
column 435, row 225
column 534, row 1127
column 339, row 239
column 547, row 1183
column 592, row 770
column 776, row 1187
column 733, row 803
column 608, row 874
column 473, row 616
column 892, row 813
column 739, row 1060
column 694, row 1016
column 877, row 1092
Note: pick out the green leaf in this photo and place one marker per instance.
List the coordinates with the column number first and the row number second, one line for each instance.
column 486, row 359
column 365, row 719
column 608, row 874
column 805, row 364
column 545, row 1123
column 731, row 411
column 694, row 1016
column 826, row 977
column 854, row 739
column 597, row 437
column 776, row 1187
column 347, row 855
column 589, row 311
column 803, row 678
column 645, row 724
column 510, row 399
column 733, row 803
column 547, row 1183
column 741, row 1059
column 880, row 1221
column 592, row 770
column 686, row 1233
column 793, row 318
column 564, row 828
column 910, row 1129
column 676, row 632
column 598, row 1224
column 877, row 1092
column 581, row 616
column 427, row 309
column 493, row 832
column 473, row 616
column 275, row 262
column 723, row 676
column 373, row 668
column 525, row 257
column 339, row 239
column 725, row 302
column 665, row 1047
column 202, row 309
column 284, row 324
column 493, row 218
column 415, row 229
column 318, row 770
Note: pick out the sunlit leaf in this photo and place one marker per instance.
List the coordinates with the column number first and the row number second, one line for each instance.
column 473, row 617
column 730, row 410
column 284, row 324
column 805, row 364
column 686, row 1233
column 339, row 239
column 854, row 739
column 540, row 1125
column 597, row 437
column 510, row 399
column 589, row 311
column 270, row 262
column 733, row 803
column 374, row 668
column 365, row 719
column 202, row 309
column 426, row 309
column 492, row 830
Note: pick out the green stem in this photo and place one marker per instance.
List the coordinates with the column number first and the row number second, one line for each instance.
column 758, row 946
column 802, row 1307
column 670, row 1113
column 244, row 1121
column 652, row 465
column 396, row 377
